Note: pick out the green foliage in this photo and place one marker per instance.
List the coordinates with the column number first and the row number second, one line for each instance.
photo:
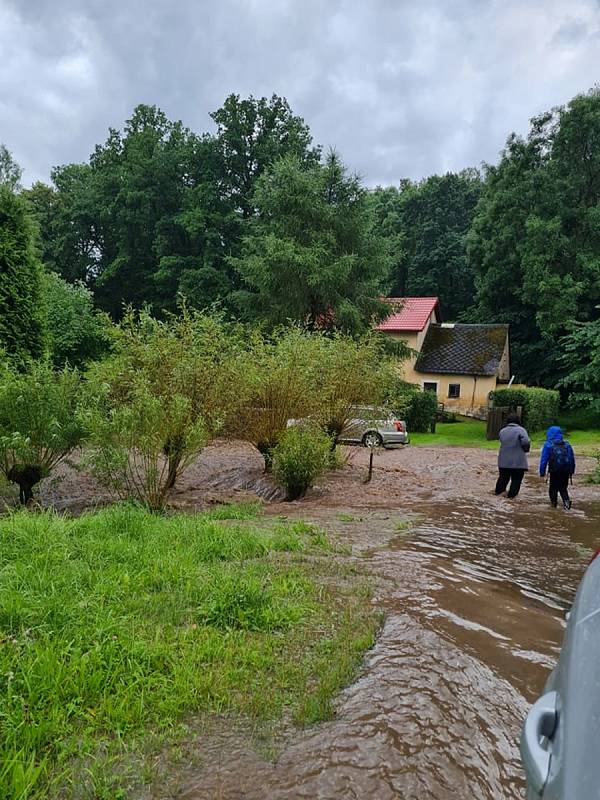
column 582, row 362
column 300, row 457
column 535, row 242
column 540, row 406
column 252, row 134
column 10, row 171
column 410, row 402
column 39, row 423
column 311, row 255
column 245, row 603
column 77, row 333
column 279, row 374
column 168, row 388
column 347, row 372
column 426, row 224
column 118, row 624
column 21, row 310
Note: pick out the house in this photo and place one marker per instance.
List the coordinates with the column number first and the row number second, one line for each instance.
column 461, row 363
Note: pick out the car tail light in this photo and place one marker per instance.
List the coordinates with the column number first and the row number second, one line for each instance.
column 596, row 554
column 399, row 426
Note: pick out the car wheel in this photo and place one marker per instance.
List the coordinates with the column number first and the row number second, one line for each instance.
column 372, row 439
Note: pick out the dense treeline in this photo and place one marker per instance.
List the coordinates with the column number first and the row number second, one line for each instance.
column 255, row 218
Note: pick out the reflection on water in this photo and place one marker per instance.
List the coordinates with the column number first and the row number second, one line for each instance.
column 475, row 602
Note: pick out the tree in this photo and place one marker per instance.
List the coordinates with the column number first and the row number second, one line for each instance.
column 311, row 255
column 21, row 309
column 252, row 134
column 10, row 171
column 535, row 241
column 426, row 225
column 582, row 362
column 77, row 332
column 68, row 218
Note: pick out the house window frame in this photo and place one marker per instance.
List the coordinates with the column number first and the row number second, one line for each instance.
column 453, row 396
column 431, row 383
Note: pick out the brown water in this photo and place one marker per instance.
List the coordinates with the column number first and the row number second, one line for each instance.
column 475, row 599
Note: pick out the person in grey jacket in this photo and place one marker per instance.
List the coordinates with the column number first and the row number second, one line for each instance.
column 512, row 456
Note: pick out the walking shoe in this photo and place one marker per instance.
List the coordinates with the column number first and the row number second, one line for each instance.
column 567, row 505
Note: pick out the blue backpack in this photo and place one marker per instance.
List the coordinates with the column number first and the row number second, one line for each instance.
column 560, row 457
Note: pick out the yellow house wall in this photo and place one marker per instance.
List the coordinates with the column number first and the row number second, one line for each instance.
column 474, row 391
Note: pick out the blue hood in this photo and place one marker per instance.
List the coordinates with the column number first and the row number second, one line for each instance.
column 554, row 433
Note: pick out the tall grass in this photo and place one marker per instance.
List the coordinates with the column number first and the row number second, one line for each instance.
column 120, row 621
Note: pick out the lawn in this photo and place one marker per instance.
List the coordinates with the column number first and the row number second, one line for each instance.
column 582, row 430
column 116, row 625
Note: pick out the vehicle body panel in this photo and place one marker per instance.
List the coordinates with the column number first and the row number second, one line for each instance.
column 572, row 750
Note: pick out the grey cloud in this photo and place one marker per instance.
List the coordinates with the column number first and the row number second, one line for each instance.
column 398, row 88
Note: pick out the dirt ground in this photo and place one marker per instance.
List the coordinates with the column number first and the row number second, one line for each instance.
column 402, row 478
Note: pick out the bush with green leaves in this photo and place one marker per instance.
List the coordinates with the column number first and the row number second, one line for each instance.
column 347, row 372
column 167, row 389
column 410, row 402
column 77, row 332
column 39, row 423
column 540, row 406
column 300, row 457
column 279, row 370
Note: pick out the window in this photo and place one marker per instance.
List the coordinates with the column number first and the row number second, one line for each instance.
column 430, row 386
column 454, row 390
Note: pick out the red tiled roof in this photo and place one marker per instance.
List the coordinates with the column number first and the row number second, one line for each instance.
column 411, row 315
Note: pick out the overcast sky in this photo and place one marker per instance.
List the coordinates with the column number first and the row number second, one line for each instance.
column 401, row 88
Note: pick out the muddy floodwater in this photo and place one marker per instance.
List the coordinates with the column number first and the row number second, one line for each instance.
column 474, row 590
column 475, row 594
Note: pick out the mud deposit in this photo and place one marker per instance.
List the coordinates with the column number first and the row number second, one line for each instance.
column 475, row 596
column 474, row 588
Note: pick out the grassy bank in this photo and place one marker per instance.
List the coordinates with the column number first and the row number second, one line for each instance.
column 115, row 625
column 581, row 429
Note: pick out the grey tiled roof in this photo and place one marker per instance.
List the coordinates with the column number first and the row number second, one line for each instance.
column 463, row 349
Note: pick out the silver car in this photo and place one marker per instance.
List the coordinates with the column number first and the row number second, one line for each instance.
column 374, row 427
column 560, row 741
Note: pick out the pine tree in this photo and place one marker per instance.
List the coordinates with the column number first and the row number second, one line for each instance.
column 21, row 311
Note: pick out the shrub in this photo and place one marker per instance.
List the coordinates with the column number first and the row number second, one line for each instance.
column 39, row 423
column 279, row 373
column 301, row 456
column 167, row 389
column 410, row 402
column 422, row 411
column 540, row 406
column 130, row 444
column 77, row 333
column 346, row 373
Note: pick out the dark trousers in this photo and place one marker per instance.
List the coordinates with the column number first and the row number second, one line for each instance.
column 559, row 482
column 514, row 476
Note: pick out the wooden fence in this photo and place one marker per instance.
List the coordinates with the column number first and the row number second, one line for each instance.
column 496, row 419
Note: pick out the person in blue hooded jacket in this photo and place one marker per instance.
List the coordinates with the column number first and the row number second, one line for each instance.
column 559, row 459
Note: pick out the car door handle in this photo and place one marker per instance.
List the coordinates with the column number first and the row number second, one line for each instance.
column 541, row 721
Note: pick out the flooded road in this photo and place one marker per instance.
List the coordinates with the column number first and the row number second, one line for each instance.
column 474, row 594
